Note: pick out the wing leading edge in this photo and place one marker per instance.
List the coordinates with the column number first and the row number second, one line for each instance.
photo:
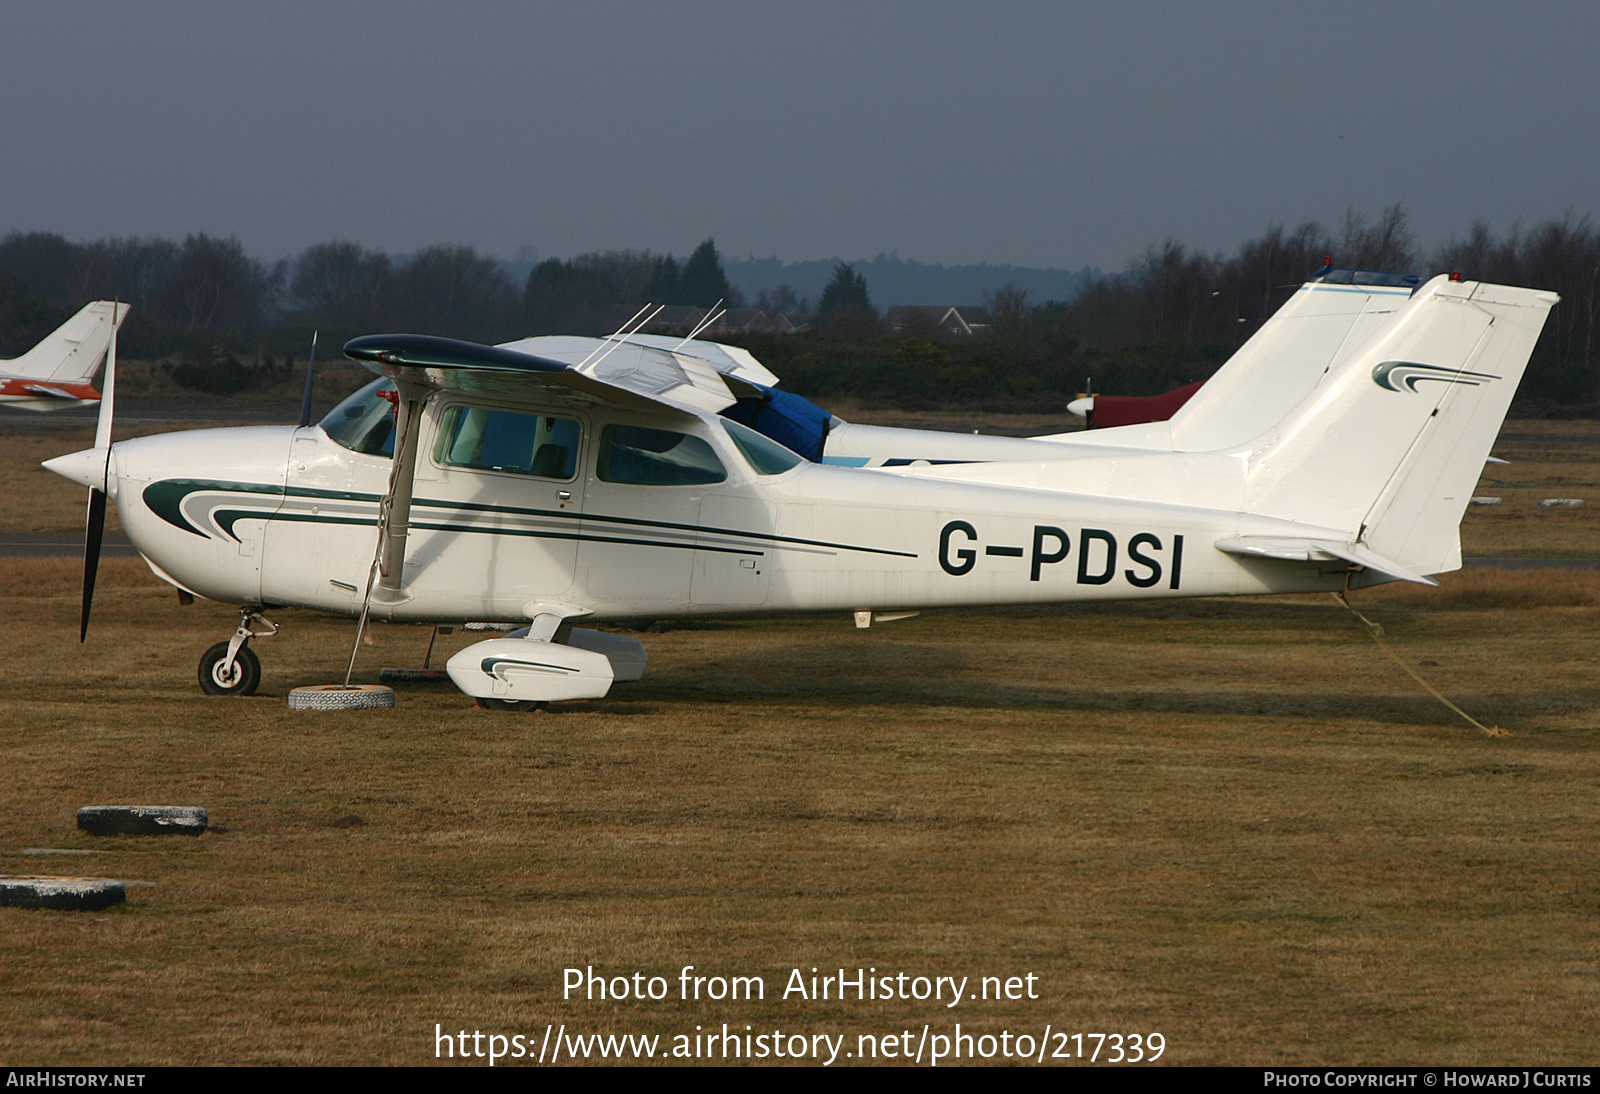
column 622, row 374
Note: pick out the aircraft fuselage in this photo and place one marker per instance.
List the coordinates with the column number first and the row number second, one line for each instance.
column 285, row 516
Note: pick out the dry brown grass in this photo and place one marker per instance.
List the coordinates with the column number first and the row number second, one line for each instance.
column 1489, row 589
column 1539, row 470
column 1550, row 427
column 37, row 500
column 1229, row 821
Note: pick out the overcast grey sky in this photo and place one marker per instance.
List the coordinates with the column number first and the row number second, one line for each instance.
column 1047, row 134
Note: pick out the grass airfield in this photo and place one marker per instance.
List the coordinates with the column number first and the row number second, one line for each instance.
column 1235, row 823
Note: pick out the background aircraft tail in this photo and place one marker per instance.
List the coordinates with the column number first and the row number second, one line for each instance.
column 1389, row 446
column 73, row 352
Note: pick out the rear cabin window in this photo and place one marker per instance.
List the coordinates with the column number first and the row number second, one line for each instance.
column 503, row 440
column 656, row 457
column 364, row 422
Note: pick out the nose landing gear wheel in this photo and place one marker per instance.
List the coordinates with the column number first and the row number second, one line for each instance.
column 243, row 680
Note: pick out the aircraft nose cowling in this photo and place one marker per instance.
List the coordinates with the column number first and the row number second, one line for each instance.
column 86, row 468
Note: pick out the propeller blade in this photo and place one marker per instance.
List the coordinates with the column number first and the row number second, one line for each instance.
column 95, row 526
column 94, row 531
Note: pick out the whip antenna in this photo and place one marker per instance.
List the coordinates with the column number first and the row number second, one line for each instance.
column 311, row 372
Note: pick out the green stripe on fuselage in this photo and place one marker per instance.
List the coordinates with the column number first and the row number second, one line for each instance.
column 165, row 498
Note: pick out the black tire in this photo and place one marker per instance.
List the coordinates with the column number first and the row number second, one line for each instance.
column 524, row 706
column 246, row 671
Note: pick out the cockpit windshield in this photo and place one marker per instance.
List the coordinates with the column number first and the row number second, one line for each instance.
column 766, row 455
column 365, row 421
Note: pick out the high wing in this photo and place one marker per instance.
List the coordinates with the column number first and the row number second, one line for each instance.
column 615, row 372
column 56, row 373
column 732, row 361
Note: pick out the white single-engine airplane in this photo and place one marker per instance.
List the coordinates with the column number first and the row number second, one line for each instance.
column 560, row 479
column 55, row 374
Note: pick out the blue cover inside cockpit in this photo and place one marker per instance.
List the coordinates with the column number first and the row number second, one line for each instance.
column 794, row 422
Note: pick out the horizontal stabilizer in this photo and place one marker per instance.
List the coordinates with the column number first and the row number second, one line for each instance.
column 1319, row 550
column 46, row 403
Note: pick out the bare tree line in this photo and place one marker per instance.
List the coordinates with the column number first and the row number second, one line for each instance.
column 1177, row 296
column 1176, row 310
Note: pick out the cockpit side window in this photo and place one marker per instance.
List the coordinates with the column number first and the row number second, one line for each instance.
column 364, row 422
column 656, row 457
column 504, row 440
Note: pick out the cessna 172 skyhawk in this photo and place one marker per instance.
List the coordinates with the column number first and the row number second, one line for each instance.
column 55, row 374
column 557, row 479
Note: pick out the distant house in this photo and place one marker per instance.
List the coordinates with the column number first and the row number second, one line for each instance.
column 675, row 318
column 749, row 320
column 756, row 321
column 937, row 321
column 680, row 319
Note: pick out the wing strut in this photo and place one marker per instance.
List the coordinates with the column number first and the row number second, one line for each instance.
column 394, row 514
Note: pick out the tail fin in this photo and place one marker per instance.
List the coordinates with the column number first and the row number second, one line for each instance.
column 72, row 353
column 1324, row 322
column 1389, row 446
column 1328, row 318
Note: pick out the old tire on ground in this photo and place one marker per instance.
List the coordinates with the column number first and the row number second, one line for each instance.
column 340, row 697
column 243, row 680
column 143, row 820
column 525, row 706
column 78, row 894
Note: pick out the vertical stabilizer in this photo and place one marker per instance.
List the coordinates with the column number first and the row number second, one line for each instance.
column 1328, row 318
column 1389, row 446
column 1292, row 353
column 73, row 351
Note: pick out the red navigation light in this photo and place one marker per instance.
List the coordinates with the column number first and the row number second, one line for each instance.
column 1455, row 275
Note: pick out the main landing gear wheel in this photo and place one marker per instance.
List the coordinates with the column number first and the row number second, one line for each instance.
column 243, row 680
column 525, row 706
